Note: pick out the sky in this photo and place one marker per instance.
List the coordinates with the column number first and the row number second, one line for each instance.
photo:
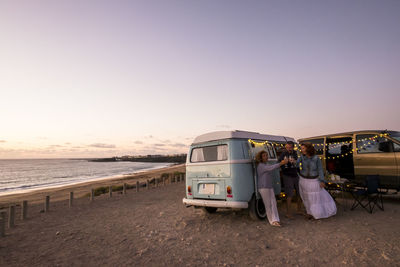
column 113, row 78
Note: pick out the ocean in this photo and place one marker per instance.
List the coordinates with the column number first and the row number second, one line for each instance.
column 21, row 175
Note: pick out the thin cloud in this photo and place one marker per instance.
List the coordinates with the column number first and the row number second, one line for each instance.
column 157, row 145
column 178, row 145
column 138, row 142
column 3, row 141
column 101, row 145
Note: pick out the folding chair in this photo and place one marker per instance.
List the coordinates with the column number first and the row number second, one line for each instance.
column 370, row 196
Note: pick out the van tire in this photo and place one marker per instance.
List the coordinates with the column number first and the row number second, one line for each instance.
column 210, row 209
column 257, row 209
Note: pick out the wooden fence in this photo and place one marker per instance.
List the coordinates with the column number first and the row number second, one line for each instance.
column 7, row 216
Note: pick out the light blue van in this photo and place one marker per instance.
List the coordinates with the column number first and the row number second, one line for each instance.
column 220, row 170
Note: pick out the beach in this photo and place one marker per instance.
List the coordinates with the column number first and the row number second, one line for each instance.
column 153, row 228
column 83, row 188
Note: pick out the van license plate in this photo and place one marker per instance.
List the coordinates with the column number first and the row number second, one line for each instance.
column 207, row 189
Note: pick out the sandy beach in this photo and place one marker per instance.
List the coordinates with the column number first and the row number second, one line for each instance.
column 153, row 228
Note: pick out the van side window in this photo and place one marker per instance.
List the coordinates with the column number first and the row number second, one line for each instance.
column 396, row 147
column 209, row 153
column 318, row 145
column 366, row 143
column 271, row 153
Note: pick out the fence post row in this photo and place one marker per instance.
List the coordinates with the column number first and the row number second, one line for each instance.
column 92, row 195
column 24, row 210
column 71, row 199
column 3, row 223
column 11, row 216
column 110, row 191
column 137, row 186
column 47, row 204
column 124, row 189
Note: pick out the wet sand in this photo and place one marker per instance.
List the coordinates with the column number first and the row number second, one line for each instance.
column 153, row 228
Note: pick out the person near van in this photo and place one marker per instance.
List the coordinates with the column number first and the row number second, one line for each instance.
column 290, row 178
column 317, row 201
column 265, row 178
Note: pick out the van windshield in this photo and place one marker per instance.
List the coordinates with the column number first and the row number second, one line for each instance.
column 395, row 135
column 209, row 153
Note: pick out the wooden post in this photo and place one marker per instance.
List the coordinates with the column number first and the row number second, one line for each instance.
column 172, row 178
column 156, row 181
column 110, row 190
column 3, row 223
column 11, row 216
column 24, row 210
column 163, row 180
column 184, row 176
column 124, row 189
column 148, row 184
column 92, row 195
column 47, row 204
column 137, row 186
column 71, row 199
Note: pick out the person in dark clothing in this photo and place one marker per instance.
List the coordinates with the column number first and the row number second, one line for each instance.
column 290, row 178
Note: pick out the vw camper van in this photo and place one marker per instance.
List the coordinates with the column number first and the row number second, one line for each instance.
column 221, row 170
column 354, row 155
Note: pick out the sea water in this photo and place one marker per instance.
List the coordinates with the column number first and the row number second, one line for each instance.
column 19, row 175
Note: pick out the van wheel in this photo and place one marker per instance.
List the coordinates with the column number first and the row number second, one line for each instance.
column 257, row 209
column 210, row 209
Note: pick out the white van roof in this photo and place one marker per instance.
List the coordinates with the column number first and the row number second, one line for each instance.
column 219, row 135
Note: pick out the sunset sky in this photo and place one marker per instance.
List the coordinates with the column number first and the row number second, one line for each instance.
column 111, row 78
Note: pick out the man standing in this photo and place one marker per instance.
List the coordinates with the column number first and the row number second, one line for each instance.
column 290, row 178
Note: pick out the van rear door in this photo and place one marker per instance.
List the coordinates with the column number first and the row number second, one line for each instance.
column 209, row 167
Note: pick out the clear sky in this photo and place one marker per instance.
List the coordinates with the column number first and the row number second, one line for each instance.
column 105, row 78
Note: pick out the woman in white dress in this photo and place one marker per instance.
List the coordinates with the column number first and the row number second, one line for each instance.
column 265, row 182
column 317, row 201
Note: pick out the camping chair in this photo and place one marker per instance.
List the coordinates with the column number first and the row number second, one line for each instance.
column 370, row 196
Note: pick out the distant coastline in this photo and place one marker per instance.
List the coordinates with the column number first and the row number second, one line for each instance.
column 181, row 158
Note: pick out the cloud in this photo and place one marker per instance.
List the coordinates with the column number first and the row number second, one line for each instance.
column 149, row 136
column 52, row 146
column 178, row 145
column 3, row 141
column 67, row 143
column 138, row 142
column 101, row 145
column 156, row 145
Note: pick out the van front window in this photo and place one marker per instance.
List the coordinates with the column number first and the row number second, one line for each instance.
column 395, row 135
column 209, row 153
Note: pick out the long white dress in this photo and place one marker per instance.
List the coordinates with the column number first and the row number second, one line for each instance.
column 317, row 201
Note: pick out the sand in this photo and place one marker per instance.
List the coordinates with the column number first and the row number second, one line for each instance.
column 153, row 228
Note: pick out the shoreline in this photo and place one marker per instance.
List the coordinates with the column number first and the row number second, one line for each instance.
column 80, row 189
column 34, row 188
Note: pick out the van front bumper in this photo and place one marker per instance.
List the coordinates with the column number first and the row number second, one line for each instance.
column 215, row 203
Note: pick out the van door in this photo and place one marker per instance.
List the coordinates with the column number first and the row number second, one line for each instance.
column 375, row 155
column 272, row 159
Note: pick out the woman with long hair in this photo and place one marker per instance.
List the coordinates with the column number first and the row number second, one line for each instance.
column 317, row 201
column 265, row 182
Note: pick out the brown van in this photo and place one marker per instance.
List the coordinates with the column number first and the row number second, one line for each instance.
column 354, row 155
